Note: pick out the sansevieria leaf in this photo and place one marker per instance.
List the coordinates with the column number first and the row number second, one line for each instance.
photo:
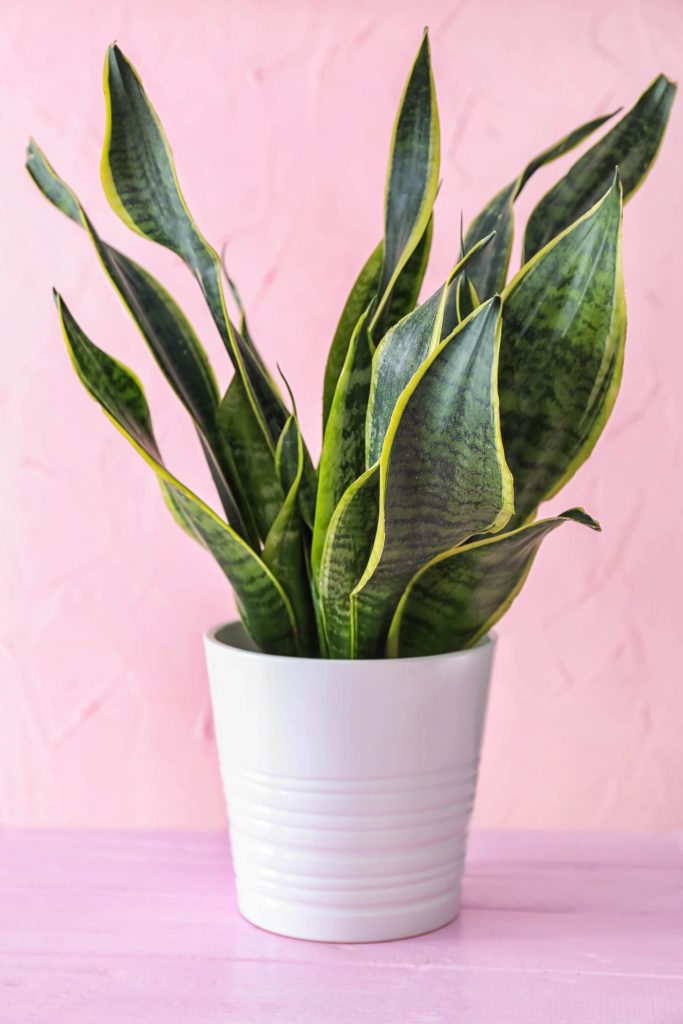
column 458, row 597
column 631, row 145
column 283, row 551
column 564, row 327
column 360, row 297
column 402, row 300
column 343, row 455
column 489, row 273
column 139, row 179
column 443, row 475
column 266, row 611
column 348, row 544
column 412, row 177
column 171, row 339
column 254, row 461
column 401, row 353
column 406, row 289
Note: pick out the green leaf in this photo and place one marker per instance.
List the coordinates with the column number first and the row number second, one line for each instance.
column 264, row 607
column 406, row 290
column 401, row 353
column 347, row 547
column 631, row 145
column 169, row 335
column 253, row 459
column 443, row 475
column 362, row 294
column 283, row 552
column 564, row 327
column 489, row 273
column 140, row 182
column 343, row 454
column 412, row 177
column 458, row 597
column 466, row 298
column 309, row 480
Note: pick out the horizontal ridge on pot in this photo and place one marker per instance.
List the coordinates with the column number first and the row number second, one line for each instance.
column 349, row 786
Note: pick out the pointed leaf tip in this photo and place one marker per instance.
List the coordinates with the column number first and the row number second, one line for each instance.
column 579, row 515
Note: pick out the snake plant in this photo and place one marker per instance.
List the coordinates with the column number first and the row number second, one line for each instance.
column 446, row 423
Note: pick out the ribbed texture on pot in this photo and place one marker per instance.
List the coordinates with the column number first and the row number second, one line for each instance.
column 349, row 788
column 364, row 848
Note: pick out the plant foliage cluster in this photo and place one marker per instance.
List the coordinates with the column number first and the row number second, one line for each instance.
column 446, row 423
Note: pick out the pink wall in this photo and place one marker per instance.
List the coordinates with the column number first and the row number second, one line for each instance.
column 280, row 116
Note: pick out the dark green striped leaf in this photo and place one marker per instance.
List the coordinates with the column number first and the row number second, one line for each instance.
column 489, row 273
column 343, row 454
column 253, row 459
column 139, row 179
column 631, row 145
column 283, row 551
column 458, row 597
column 347, row 547
column 412, row 177
column 564, row 327
column 169, row 335
column 362, row 294
column 406, row 290
column 401, row 353
column 466, row 298
column 264, row 607
column 443, row 475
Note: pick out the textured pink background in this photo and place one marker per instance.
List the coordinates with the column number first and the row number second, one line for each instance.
column 280, row 116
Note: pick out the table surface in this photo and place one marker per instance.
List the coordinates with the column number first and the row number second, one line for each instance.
column 97, row 928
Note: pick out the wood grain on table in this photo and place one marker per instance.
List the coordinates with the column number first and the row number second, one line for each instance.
column 102, row 928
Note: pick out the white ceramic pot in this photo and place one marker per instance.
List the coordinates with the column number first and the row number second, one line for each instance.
column 349, row 785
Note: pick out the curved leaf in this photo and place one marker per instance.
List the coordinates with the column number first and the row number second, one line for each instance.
column 489, row 273
column 170, row 337
column 458, row 597
column 443, row 475
column 403, row 298
column 401, row 353
column 283, row 551
column 564, row 327
column 264, row 607
column 348, row 544
column 406, row 290
column 140, row 182
column 631, row 145
column 343, row 455
column 253, row 459
column 413, row 174
column 362, row 294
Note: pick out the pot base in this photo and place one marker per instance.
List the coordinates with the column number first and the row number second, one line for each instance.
column 296, row 921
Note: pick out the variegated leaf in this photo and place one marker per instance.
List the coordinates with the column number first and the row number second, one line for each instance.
column 564, row 327
column 140, row 182
column 265, row 609
column 631, row 145
column 170, row 337
column 489, row 273
column 458, row 597
column 412, row 177
column 402, row 352
column 283, row 551
column 443, row 475
column 348, row 543
column 343, row 454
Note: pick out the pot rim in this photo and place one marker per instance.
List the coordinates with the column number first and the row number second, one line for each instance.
column 211, row 637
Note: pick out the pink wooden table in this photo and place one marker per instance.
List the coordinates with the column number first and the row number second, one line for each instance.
column 98, row 928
